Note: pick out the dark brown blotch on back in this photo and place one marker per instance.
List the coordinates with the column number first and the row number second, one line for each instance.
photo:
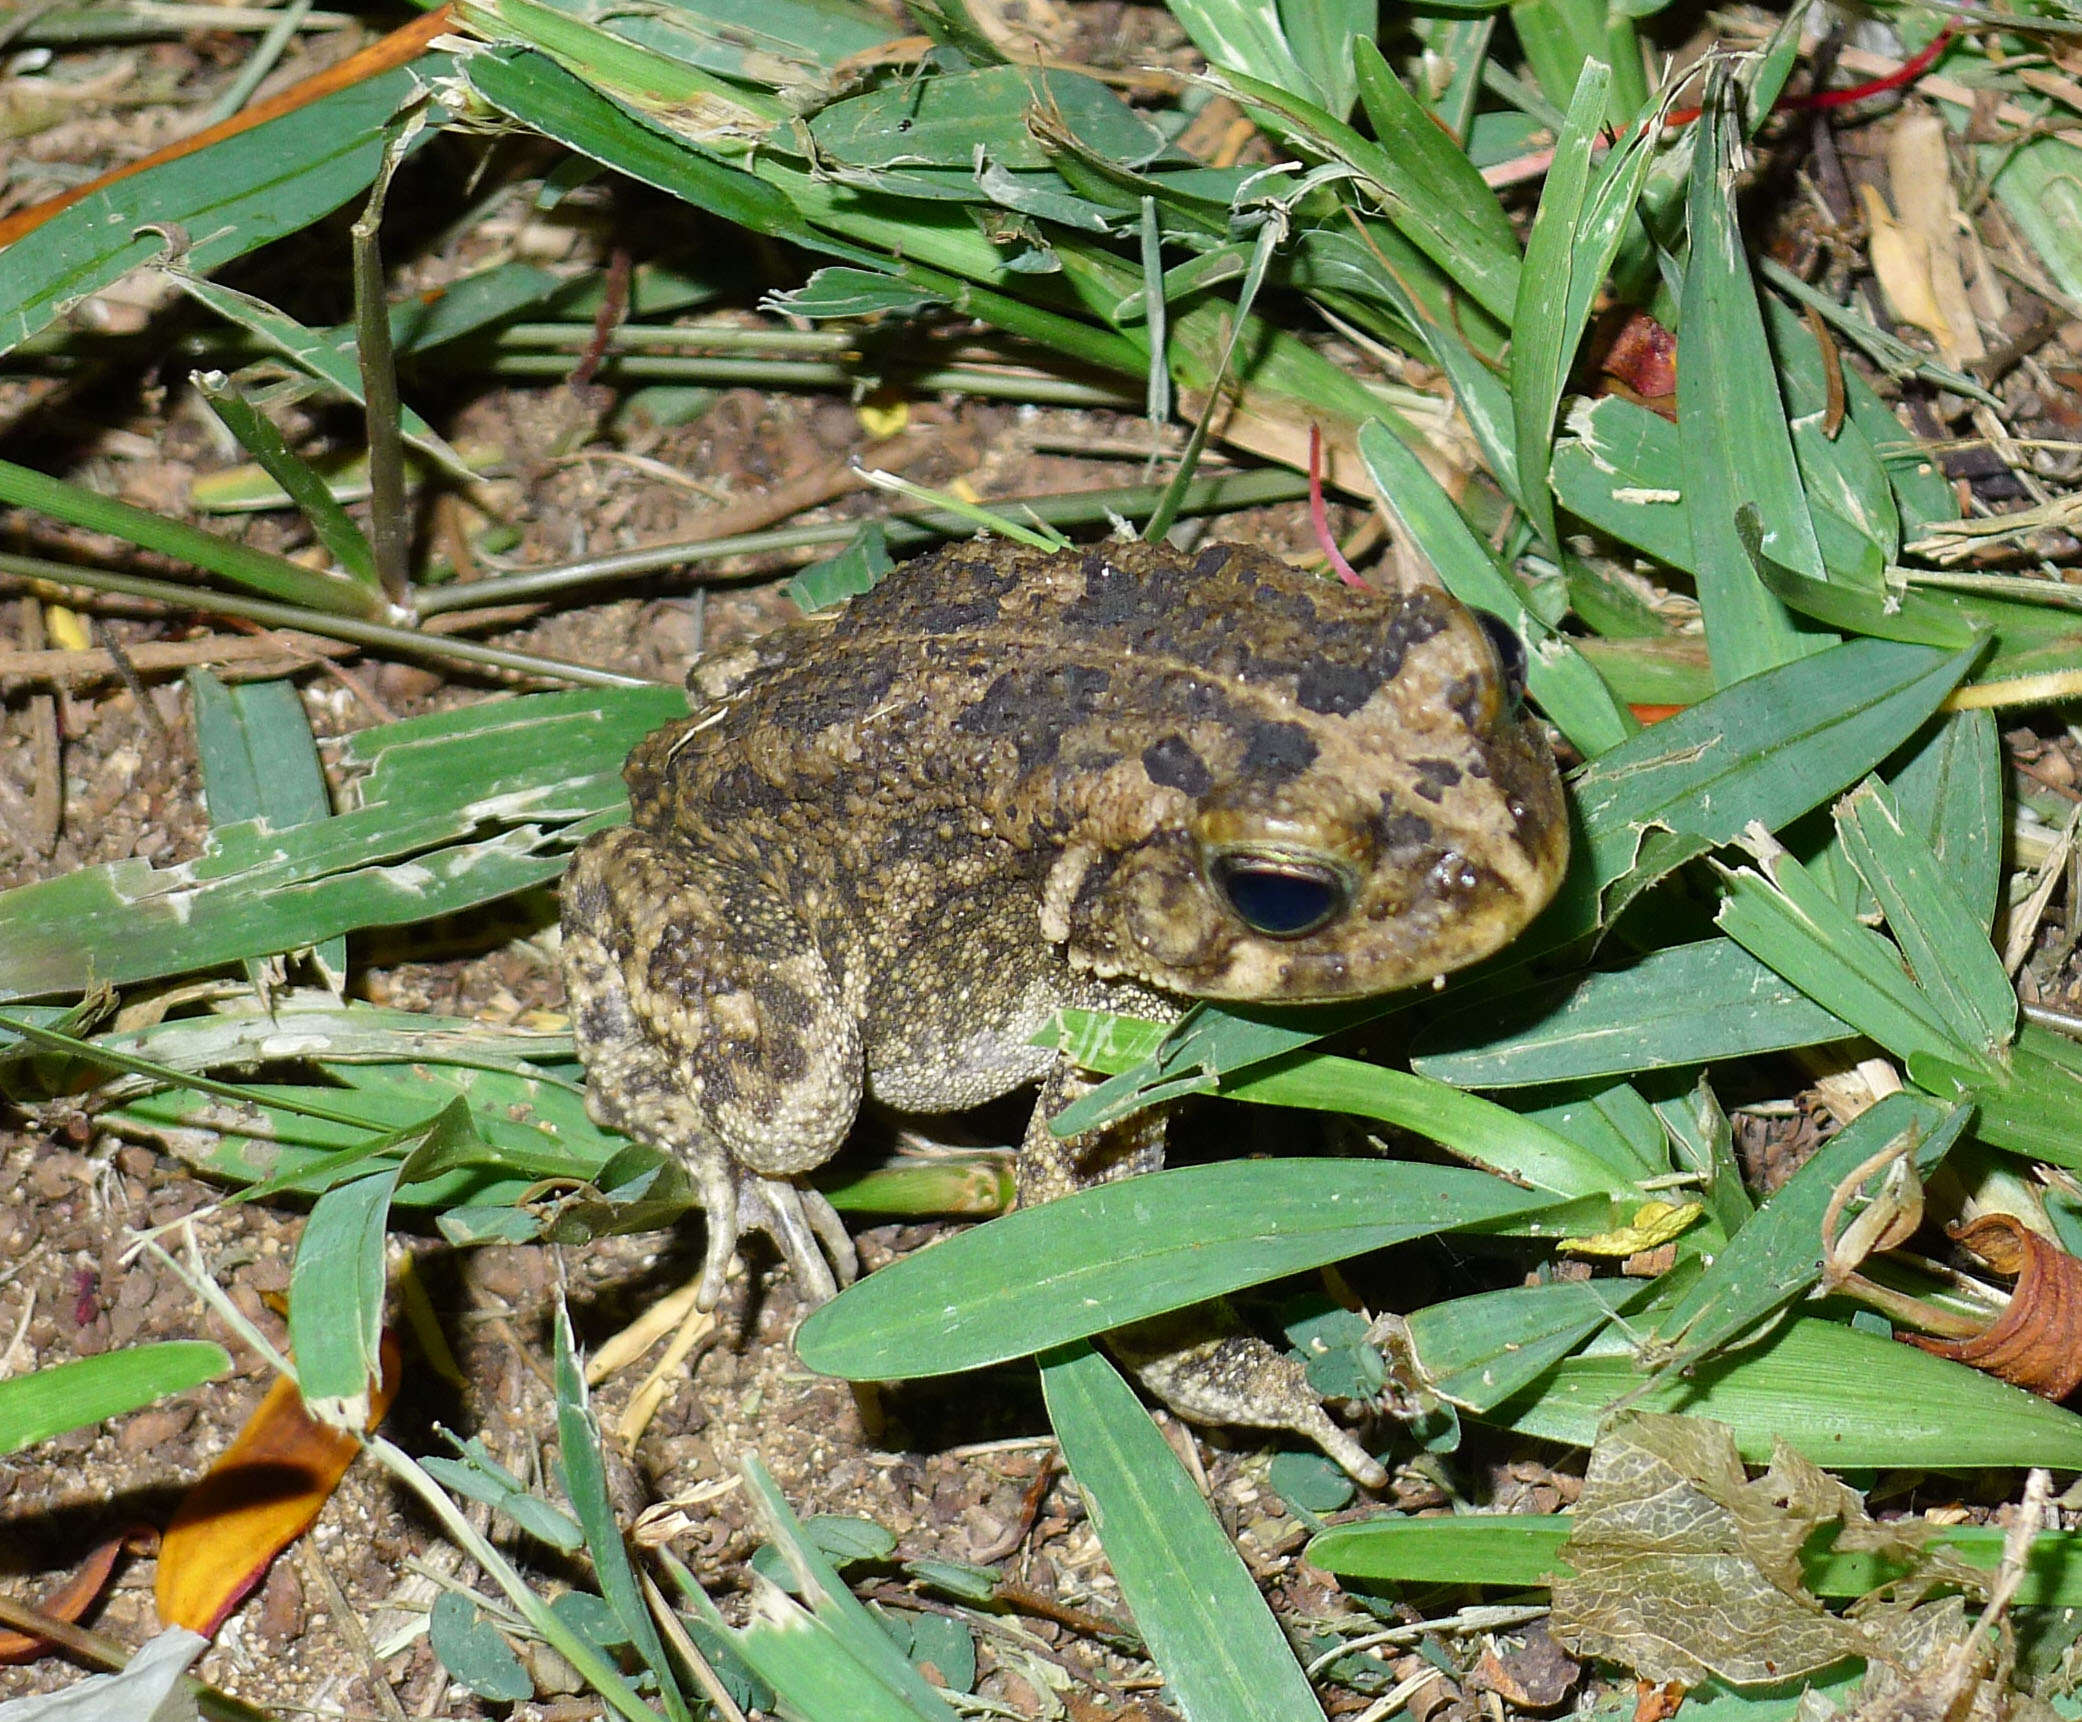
column 1435, row 777
column 1172, row 764
column 1275, row 752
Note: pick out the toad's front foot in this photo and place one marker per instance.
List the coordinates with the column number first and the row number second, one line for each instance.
column 805, row 1228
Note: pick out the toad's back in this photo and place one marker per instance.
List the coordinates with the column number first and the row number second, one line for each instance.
column 1129, row 750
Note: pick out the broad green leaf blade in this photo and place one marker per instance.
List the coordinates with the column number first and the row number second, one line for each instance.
column 1925, row 618
column 1731, row 422
column 336, row 1300
column 230, row 199
column 1195, row 1602
column 1482, row 1350
column 1764, row 750
column 2028, row 1105
column 1777, row 1256
column 84, row 1390
column 1843, row 1397
column 1558, row 676
column 1682, row 1005
column 259, row 761
column 1613, row 1123
column 458, row 809
column 1951, row 791
column 1033, row 1279
column 1940, row 934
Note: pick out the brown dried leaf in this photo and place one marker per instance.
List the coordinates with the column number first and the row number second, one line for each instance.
column 1919, row 170
column 70, row 1600
column 1683, row 1569
column 263, row 1493
column 1537, row 1674
column 2036, row 1343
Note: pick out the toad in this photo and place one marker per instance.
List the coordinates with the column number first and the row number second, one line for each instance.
column 893, row 840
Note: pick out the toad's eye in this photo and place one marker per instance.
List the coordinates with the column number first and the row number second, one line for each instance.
column 1280, row 897
column 1510, row 657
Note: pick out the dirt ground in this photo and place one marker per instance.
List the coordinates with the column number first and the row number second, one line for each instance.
column 94, row 770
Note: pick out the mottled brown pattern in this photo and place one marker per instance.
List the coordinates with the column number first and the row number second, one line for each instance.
column 889, row 843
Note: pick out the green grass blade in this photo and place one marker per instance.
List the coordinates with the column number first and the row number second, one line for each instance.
column 326, row 356
column 300, row 482
column 1954, row 784
column 1237, row 1053
column 1785, row 918
column 1732, row 424
column 1940, row 934
column 1476, row 1129
column 1697, row 1003
column 1481, row 260
column 1842, row 1396
column 833, row 1660
column 1777, row 1256
column 1521, row 1552
column 1558, row 676
column 1428, row 175
column 1571, row 246
column 336, row 1300
column 1764, row 750
column 1208, row 1630
column 65, row 1396
column 259, row 762
column 230, row 199
column 241, row 564
column 1031, row 1280
column 534, row 89
column 1482, row 1350
column 457, row 809
column 1247, row 36
column 585, row 1485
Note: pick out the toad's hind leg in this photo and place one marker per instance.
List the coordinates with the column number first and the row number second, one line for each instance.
column 711, row 1027
column 1200, row 1360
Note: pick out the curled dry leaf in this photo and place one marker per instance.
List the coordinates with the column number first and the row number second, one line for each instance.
column 258, row 1498
column 2036, row 1342
column 1680, row 1566
column 72, row 1598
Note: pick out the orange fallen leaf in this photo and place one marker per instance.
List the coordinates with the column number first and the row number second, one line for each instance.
column 257, row 1499
column 71, row 1599
column 2036, row 1343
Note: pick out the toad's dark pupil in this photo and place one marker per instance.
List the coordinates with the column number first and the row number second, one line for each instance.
column 1280, row 900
